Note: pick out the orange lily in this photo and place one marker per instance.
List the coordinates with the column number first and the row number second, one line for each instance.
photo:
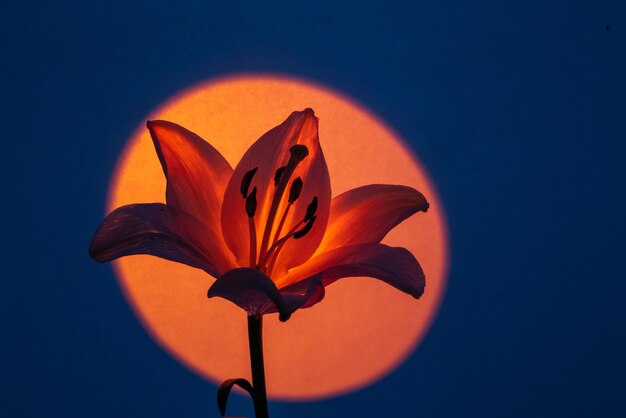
column 267, row 230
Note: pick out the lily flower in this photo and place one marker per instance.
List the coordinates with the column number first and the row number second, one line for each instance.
column 268, row 230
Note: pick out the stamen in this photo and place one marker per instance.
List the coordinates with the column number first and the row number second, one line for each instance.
column 307, row 227
column 251, row 203
column 251, row 210
column 245, row 182
column 294, row 194
column 278, row 174
column 311, row 209
column 252, row 228
column 282, row 223
column 295, row 190
column 272, row 261
column 278, row 246
column 298, row 153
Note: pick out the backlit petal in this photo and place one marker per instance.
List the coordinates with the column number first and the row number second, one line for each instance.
column 393, row 265
column 156, row 229
column 366, row 214
column 197, row 174
column 269, row 153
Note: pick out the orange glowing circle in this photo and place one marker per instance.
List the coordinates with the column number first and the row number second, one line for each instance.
column 364, row 328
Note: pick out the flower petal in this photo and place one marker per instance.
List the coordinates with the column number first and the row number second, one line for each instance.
column 393, row 265
column 268, row 154
column 197, row 174
column 156, row 229
column 257, row 294
column 366, row 214
column 251, row 290
column 304, row 293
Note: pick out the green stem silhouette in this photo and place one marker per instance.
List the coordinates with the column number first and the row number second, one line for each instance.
column 255, row 339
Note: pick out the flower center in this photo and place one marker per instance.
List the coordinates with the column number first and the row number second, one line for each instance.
column 270, row 249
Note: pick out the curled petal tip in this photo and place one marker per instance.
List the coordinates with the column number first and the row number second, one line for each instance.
column 95, row 253
column 305, row 115
column 417, row 199
column 418, row 294
column 154, row 123
column 310, row 114
column 92, row 254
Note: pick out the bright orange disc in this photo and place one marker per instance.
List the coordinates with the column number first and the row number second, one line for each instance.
column 364, row 328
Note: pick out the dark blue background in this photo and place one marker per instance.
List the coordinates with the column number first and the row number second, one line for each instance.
column 517, row 108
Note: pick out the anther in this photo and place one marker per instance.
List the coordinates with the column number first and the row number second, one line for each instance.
column 295, row 190
column 307, row 227
column 311, row 209
column 278, row 174
column 299, row 152
column 251, row 203
column 245, row 182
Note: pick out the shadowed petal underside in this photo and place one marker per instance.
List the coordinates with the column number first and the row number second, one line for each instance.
column 161, row 231
column 257, row 294
column 394, row 265
column 251, row 290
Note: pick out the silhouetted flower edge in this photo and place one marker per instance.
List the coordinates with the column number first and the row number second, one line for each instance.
column 268, row 230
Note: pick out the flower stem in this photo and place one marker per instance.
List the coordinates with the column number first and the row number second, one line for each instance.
column 255, row 339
